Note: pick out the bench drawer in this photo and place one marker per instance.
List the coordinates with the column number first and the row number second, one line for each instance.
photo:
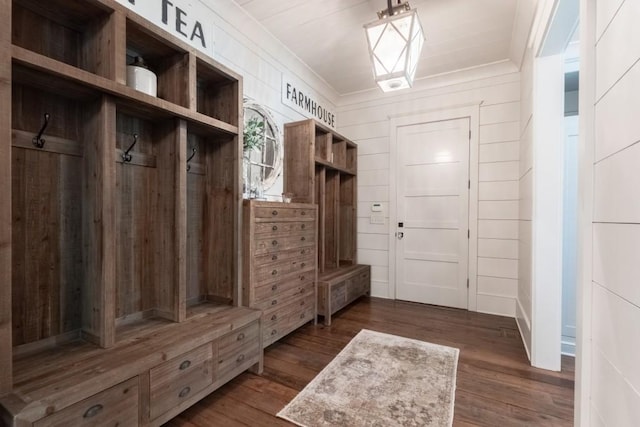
column 116, row 406
column 180, row 378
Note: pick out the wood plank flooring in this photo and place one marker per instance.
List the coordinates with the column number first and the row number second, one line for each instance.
column 496, row 386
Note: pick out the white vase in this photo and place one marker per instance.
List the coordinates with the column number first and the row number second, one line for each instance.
column 142, row 79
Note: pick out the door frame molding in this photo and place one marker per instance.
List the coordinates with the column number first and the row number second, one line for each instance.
column 472, row 112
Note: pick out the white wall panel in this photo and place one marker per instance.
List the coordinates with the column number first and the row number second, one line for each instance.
column 502, row 171
column 605, row 10
column 498, row 286
column 367, row 178
column 498, row 229
column 373, row 146
column 615, row 333
column 618, row 48
column 500, row 152
column 616, row 256
column 616, row 181
column 493, row 304
column 617, row 125
column 498, row 190
column 375, row 193
column 373, row 162
column 378, row 242
column 500, row 113
column 499, row 132
column 497, row 267
column 498, row 209
column 498, row 248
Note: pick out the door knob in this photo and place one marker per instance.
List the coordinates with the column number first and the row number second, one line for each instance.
column 400, row 235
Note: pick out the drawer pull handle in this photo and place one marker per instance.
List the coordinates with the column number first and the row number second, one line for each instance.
column 301, row 277
column 301, row 302
column 274, row 242
column 93, row 411
column 240, row 358
column 274, row 302
column 274, row 332
column 184, row 365
column 274, row 272
column 184, row 391
column 274, row 213
column 302, row 316
column 302, row 265
column 240, row 337
column 274, row 287
column 274, row 317
column 274, row 257
column 303, row 239
column 274, row 228
column 303, row 226
column 303, row 213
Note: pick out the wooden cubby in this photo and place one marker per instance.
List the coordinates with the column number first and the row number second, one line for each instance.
column 114, row 256
column 320, row 167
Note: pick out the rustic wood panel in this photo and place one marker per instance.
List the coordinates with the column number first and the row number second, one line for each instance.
column 6, row 330
column 196, row 285
column 46, row 210
column 495, row 383
column 98, row 293
column 320, row 199
column 136, row 202
column 220, row 215
column 347, row 219
column 299, row 164
column 331, row 223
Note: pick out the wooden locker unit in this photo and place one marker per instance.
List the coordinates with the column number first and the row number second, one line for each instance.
column 280, row 265
column 119, row 220
column 320, row 167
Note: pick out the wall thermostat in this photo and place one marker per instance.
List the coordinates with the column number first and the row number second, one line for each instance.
column 376, row 207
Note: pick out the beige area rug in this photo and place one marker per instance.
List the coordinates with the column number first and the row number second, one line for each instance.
column 380, row 380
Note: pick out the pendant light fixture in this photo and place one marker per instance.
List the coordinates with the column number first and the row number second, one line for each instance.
column 395, row 42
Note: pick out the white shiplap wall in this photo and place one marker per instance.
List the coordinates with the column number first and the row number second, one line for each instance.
column 615, row 309
column 365, row 119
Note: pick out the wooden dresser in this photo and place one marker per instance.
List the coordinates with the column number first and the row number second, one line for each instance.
column 280, row 265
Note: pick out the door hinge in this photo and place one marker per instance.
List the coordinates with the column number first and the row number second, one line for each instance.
column 468, row 234
column 469, row 135
column 467, row 283
column 469, row 185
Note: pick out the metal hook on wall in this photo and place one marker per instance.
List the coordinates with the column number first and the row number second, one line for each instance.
column 193, row 154
column 126, row 157
column 38, row 140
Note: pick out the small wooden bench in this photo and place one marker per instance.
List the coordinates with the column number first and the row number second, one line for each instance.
column 340, row 287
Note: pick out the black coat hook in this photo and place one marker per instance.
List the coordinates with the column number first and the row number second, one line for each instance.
column 38, row 140
column 126, row 157
column 193, row 154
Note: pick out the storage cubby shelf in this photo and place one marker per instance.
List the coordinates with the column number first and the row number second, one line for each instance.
column 83, row 83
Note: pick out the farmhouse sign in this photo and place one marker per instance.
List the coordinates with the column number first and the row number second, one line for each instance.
column 301, row 98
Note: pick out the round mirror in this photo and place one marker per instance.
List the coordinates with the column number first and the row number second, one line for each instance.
column 262, row 150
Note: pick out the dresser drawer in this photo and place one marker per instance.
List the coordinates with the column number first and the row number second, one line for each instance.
column 291, row 254
column 275, row 244
column 271, row 290
column 293, row 321
column 116, row 406
column 284, row 213
column 238, row 351
column 273, row 272
column 281, row 313
column 180, row 378
column 278, row 227
column 284, row 297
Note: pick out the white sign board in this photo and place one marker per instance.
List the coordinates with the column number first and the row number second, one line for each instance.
column 304, row 100
column 188, row 20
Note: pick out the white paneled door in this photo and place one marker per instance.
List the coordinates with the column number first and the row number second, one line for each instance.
column 432, row 245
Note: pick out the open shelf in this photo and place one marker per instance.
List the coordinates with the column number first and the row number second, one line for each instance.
column 216, row 93
column 73, row 32
column 169, row 63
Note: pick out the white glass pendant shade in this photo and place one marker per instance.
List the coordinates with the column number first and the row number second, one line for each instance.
column 395, row 44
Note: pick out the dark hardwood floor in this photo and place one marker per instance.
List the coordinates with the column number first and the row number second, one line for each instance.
column 496, row 386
